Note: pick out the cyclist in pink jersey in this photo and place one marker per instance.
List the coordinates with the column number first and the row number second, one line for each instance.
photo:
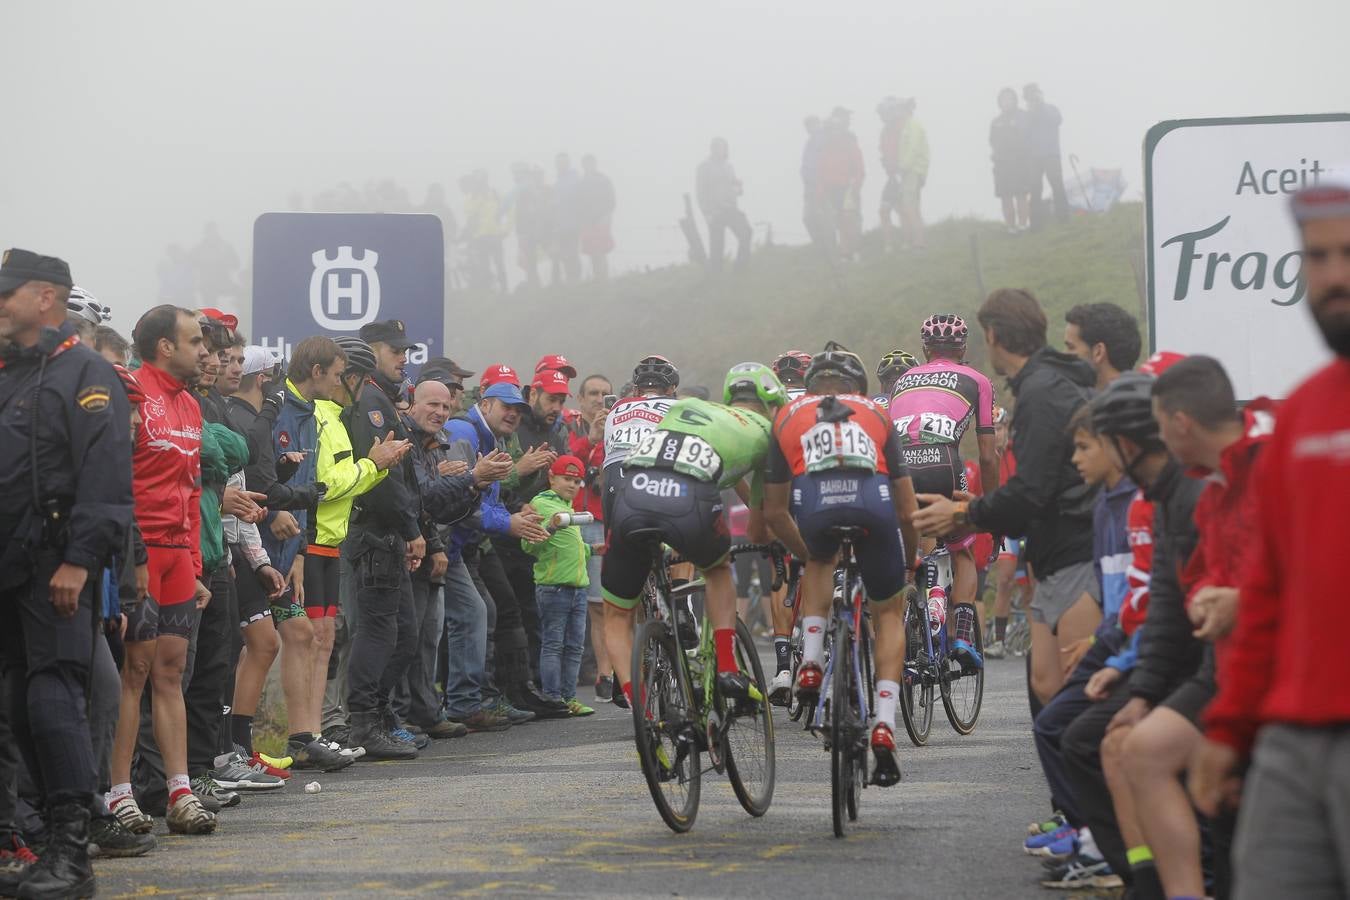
column 932, row 407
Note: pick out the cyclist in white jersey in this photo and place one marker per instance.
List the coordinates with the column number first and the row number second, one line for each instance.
column 654, row 381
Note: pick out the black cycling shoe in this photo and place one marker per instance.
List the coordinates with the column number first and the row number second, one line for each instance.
column 737, row 689
column 110, row 838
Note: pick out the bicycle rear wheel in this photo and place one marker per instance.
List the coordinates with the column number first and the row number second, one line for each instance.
column 749, row 737
column 662, row 720
column 916, row 689
column 843, row 729
column 963, row 691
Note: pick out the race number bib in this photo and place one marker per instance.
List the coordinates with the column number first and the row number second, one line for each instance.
column 684, row 453
column 935, row 428
column 838, row 445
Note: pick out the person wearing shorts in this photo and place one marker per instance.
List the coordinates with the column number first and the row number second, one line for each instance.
column 837, row 455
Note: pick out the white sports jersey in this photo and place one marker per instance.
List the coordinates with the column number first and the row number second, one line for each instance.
column 629, row 422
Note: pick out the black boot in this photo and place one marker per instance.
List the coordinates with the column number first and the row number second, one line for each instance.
column 369, row 732
column 63, row 870
column 524, row 695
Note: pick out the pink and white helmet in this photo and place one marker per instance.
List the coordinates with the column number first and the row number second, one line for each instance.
column 944, row 328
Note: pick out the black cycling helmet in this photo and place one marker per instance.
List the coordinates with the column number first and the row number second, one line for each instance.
column 895, row 364
column 840, row 361
column 656, row 372
column 1125, row 409
column 360, row 356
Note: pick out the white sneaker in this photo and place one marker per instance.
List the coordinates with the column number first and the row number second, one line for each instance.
column 780, row 690
column 995, row 650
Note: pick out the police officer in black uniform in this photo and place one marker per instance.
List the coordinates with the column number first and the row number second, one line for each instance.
column 387, row 538
column 65, row 507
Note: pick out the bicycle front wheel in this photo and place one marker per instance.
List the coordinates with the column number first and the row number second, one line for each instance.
column 663, row 722
column 749, row 734
column 843, row 730
column 963, row 688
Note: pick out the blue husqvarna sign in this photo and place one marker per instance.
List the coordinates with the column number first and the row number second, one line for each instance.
column 331, row 273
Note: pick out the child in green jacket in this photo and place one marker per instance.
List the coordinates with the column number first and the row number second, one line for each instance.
column 560, row 581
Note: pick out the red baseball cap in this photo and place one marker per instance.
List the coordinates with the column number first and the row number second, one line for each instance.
column 229, row 321
column 499, row 374
column 556, row 363
column 1160, row 362
column 551, row 382
column 568, row 465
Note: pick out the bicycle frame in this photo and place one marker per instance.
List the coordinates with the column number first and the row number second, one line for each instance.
column 934, row 567
column 848, row 611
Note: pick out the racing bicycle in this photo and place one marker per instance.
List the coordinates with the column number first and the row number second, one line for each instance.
column 929, row 665
column 679, row 715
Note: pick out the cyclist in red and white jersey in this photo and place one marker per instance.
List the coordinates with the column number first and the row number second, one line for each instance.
column 835, row 461
column 654, row 381
column 932, row 406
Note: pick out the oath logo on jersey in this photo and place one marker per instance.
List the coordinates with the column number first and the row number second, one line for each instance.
column 284, row 439
column 94, row 398
column 344, row 292
column 658, row 486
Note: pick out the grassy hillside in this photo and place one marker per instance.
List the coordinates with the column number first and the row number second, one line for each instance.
column 791, row 299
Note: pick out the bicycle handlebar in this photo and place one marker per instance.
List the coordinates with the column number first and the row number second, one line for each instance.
column 776, row 552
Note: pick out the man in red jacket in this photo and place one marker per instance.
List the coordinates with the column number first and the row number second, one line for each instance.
column 1284, row 692
column 166, row 475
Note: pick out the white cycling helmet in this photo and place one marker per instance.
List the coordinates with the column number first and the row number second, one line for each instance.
column 86, row 306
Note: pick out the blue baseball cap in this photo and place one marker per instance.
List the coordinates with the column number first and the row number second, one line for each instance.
column 507, row 392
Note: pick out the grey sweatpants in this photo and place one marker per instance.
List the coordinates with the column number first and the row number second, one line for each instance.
column 1293, row 835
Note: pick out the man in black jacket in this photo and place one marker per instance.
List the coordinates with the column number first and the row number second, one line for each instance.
column 385, row 543
column 1045, row 500
column 538, row 441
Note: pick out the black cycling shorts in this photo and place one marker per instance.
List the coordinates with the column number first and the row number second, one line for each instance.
column 142, row 620
column 658, row 504
column 253, row 603
column 824, row 500
column 321, row 584
column 935, row 468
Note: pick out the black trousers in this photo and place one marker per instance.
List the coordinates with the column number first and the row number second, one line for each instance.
column 510, row 644
column 519, row 568
column 386, row 634
column 1048, row 168
column 1081, row 745
column 205, row 694
column 47, row 660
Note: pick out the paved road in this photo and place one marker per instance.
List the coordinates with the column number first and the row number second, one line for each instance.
column 560, row 809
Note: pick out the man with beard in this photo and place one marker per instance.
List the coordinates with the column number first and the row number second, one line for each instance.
column 1292, row 836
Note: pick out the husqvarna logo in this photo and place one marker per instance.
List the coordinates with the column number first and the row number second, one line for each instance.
column 344, row 292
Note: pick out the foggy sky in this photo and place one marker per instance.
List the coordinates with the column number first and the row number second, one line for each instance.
column 131, row 125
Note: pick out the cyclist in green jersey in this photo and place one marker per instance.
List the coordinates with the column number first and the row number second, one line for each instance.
column 672, row 486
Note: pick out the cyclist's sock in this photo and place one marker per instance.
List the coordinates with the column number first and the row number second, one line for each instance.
column 301, row 738
column 178, row 786
column 1144, row 874
column 813, row 639
column 118, row 793
column 724, row 639
column 1000, row 627
column 887, row 692
column 782, row 653
column 241, row 729
column 628, row 691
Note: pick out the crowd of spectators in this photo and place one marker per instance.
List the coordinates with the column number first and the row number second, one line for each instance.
column 400, row 546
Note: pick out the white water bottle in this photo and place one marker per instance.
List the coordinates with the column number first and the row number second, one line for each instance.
column 564, row 519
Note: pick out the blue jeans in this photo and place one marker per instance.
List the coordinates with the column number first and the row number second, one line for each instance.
column 466, row 643
column 562, row 636
column 594, row 533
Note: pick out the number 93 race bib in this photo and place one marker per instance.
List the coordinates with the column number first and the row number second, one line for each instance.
column 687, row 454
